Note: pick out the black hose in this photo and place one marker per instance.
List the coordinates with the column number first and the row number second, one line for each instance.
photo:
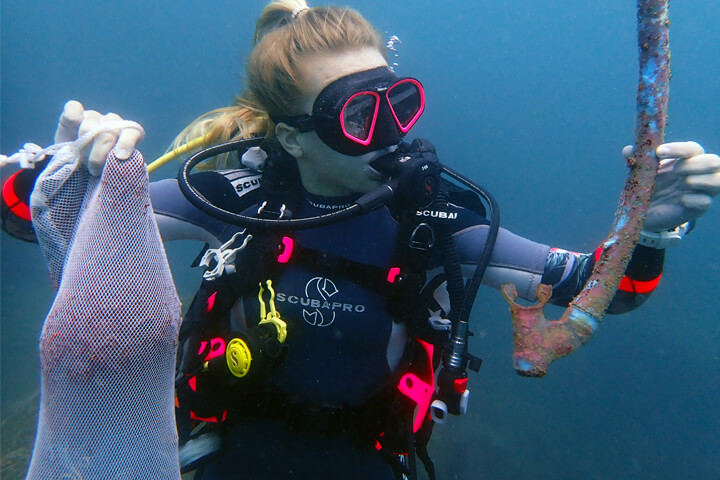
column 456, row 359
column 364, row 204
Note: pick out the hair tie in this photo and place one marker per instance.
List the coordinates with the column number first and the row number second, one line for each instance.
column 298, row 11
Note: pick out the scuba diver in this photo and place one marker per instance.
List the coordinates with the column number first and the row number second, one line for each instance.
column 339, row 260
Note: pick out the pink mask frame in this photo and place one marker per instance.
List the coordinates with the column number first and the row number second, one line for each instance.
column 404, row 127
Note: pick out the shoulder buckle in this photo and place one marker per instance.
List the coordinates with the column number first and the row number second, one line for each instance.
column 422, row 237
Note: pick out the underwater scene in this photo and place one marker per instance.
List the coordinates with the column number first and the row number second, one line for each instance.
column 532, row 100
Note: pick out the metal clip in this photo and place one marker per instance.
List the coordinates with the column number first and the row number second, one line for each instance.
column 422, row 237
column 281, row 213
column 224, row 257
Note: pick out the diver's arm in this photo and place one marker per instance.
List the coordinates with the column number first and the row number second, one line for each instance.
column 514, row 260
column 178, row 219
column 526, row 264
column 49, row 213
column 234, row 190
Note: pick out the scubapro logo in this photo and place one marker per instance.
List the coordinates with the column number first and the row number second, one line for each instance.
column 320, row 303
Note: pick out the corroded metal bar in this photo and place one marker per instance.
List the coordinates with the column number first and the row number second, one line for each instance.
column 539, row 341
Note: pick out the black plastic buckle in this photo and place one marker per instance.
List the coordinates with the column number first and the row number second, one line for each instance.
column 422, row 237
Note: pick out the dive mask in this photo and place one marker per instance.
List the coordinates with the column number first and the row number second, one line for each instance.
column 364, row 111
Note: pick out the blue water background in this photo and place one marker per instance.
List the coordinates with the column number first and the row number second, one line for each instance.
column 534, row 99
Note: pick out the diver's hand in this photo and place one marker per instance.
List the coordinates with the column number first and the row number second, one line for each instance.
column 688, row 179
column 75, row 121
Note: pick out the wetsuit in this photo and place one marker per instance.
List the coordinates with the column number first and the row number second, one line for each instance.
column 344, row 346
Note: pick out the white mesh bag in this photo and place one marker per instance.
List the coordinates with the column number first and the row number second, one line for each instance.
column 108, row 344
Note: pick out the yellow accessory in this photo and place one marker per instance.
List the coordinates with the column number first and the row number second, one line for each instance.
column 238, row 357
column 177, row 152
column 273, row 316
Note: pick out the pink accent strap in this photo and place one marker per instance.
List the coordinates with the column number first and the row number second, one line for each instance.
column 392, row 274
column 287, row 250
column 215, row 419
column 217, row 348
column 419, row 392
column 211, row 302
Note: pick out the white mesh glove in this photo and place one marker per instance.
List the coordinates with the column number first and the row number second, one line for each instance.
column 75, row 121
column 688, row 179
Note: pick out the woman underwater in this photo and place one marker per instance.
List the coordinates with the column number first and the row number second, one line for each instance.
column 323, row 403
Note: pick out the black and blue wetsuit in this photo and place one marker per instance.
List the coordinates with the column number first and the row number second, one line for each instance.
column 344, row 346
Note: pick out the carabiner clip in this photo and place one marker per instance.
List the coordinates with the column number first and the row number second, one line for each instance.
column 273, row 316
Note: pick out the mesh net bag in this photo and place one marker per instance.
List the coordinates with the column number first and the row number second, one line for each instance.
column 108, row 344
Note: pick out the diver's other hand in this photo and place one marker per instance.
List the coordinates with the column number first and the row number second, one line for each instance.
column 75, row 121
column 688, row 179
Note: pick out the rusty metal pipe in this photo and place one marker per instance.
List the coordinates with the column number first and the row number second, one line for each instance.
column 539, row 341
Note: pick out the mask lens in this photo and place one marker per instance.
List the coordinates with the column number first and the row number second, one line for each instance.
column 359, row 115
column 407, row 101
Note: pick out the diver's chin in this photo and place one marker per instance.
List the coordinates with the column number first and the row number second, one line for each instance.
column 371, row 170
column 374, row 155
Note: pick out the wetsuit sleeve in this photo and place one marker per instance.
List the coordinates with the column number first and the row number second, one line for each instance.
column 514, row 260
column 178, row 219
column 63, row 188
column 527, row 264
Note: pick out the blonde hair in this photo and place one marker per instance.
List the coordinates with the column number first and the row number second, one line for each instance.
column 286, row 31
